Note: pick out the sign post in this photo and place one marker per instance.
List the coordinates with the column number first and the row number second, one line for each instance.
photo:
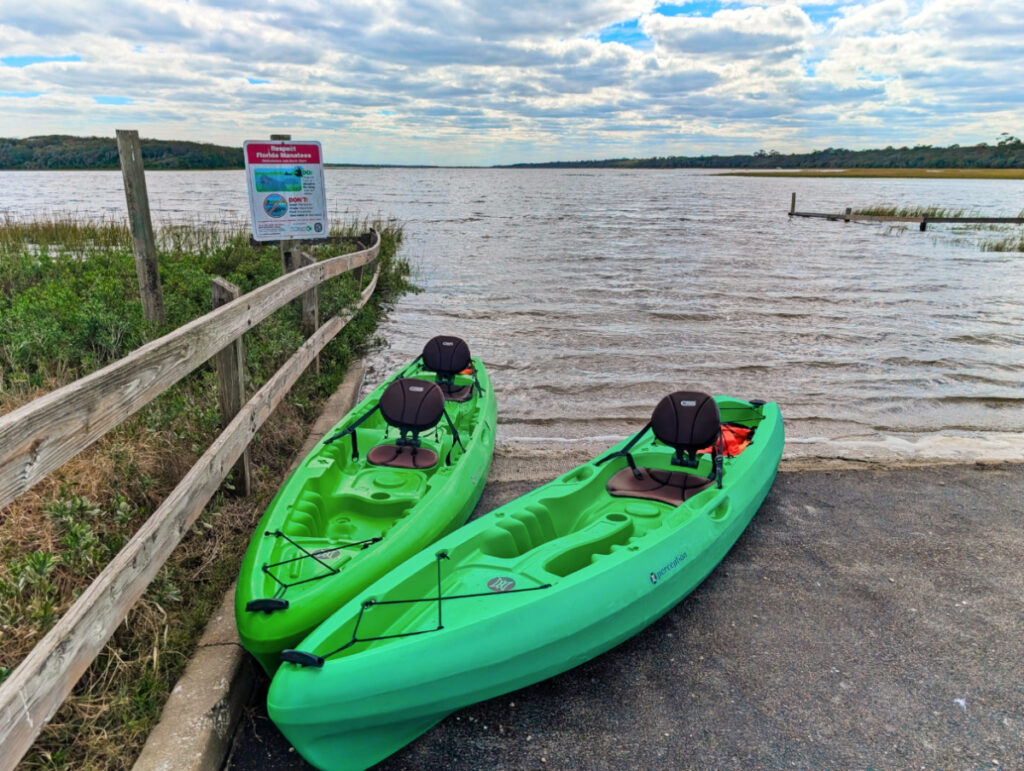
column 287, row 199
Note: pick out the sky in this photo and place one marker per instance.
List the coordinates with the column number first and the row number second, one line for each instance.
column 455, row 82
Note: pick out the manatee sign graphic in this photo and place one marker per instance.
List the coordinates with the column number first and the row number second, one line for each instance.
column 287, row 199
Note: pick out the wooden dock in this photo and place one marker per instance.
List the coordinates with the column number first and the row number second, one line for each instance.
column 922, row 221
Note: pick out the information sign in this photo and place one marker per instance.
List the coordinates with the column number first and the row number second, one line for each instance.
column 287, row 199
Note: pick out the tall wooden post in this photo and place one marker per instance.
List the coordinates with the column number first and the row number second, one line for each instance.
column 792, row 204
column 230, row 364
column 129, row 149
column 311, row 309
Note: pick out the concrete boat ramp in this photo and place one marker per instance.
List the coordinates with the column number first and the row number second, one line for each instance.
column 866, row 619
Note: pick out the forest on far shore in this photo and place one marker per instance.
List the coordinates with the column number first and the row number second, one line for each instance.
column 1007, row 153
column 60, row 152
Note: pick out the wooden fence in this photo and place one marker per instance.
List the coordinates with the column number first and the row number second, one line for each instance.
column 39, row 437
column 921, row 220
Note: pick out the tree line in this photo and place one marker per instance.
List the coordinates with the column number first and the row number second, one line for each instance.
column 59, row 152
column 1006, row 153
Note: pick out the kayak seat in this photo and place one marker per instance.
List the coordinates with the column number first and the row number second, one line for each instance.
column 402, row 457
column 412, row 406
column 688, row 422
column 671, row 487
column 447, row 356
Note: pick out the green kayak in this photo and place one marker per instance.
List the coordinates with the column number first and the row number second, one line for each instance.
column 536, row 587
column 404, row 467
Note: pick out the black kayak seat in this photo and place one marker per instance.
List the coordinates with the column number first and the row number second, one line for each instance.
column 447, row 356
column 687, row 421
column 412, row 406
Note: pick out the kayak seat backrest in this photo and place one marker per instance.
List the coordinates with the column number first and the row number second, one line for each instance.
column 412, row 406
column 447, row 356
column 688, row 422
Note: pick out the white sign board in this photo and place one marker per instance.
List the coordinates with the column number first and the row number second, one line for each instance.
column 287, row 199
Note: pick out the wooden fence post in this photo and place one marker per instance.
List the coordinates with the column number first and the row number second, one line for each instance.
column 230, row 363
column 311, row 309
column 129, row 149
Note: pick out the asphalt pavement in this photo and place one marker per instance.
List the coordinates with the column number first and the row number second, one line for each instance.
column 867, row 619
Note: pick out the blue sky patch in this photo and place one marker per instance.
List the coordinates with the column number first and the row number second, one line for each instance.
column 257, row 81
column 26, row 61
column 626, row 32
column 698, row 8
column 820, row 14
column 113, row 100
column 19, row 94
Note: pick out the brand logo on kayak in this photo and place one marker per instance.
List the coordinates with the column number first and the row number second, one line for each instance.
column 501, row 584
column 327, row 554
column 657, row 574
column 687, row 403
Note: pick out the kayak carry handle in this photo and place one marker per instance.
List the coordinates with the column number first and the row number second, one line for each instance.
column 266, row 605
column 301, row 658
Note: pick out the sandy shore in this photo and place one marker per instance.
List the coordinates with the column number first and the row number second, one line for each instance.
column 866, row 619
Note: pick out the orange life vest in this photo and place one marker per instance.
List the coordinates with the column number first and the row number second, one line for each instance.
column 735, row 439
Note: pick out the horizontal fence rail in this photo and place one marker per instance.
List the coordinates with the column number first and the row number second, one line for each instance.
column 38, row 686
column 922, row 220
column 42, row 436
column 34, row 691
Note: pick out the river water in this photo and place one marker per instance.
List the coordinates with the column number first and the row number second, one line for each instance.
column 592, row 293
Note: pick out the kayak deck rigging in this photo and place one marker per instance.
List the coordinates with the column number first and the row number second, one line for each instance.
column 304, row 658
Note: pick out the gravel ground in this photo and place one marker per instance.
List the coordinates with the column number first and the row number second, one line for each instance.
column 866, row 619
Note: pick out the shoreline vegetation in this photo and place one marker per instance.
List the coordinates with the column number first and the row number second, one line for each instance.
column 69, row 306
column 1004, row 159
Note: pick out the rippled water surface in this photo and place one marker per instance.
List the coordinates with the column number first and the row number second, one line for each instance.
column 591, row 294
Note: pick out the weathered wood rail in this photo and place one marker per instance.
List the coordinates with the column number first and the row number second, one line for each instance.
column 922, row 221
column 39, row 437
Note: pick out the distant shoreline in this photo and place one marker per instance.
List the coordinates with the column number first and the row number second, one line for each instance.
column 1009, row 174
column 1005, row 159
column 904, row 173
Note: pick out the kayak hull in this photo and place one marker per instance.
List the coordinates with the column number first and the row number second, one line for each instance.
column 340, row 522
column 525, row 597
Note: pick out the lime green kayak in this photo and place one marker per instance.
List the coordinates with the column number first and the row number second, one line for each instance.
column 404, row 467
column 536, row 587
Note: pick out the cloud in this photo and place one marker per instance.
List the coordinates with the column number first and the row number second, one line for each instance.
column 751, row 32
column 568, row 78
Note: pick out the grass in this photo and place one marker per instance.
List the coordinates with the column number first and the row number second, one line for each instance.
column 69, row 305
column 1009, row 244
column 909, row 211
column 907, row 173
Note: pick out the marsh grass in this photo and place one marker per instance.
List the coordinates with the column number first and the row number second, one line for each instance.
column 909, row 211
column 1014, row 243
column 69, row 305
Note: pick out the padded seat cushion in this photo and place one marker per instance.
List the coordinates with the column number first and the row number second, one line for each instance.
column 402, row 457
column 454, row 393
column 671, row 487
